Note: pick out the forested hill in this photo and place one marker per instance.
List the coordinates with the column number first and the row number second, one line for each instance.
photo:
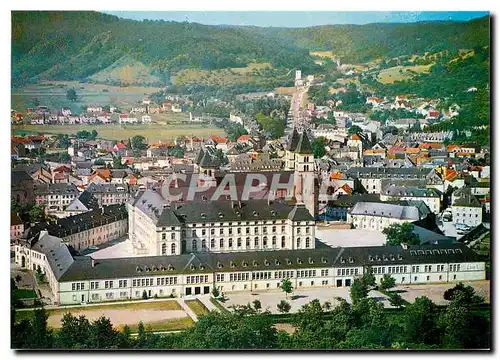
column 362, row 43
column 76, row 45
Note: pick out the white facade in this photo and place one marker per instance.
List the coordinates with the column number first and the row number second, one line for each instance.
column 471, row 216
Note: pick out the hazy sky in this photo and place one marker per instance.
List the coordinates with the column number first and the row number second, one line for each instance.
column 298, row 18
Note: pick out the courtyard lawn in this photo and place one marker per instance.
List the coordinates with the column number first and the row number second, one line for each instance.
column 164, row 325
column 160, row 315
column 197, row 307
column 152, row 132
column 25, row 293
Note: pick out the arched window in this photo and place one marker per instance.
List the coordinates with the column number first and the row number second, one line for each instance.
column 264, row 241
column 230, row 243
column 212, row 243
column 256, row 242
column 298, row 243
column 274, row 229
column 194, row 245
column 274, row 240
column 248, row 242
column 239, row 242
column 164, row 249
column 308, row 242
column 203, row 245
column 221, row 243
column 183, row 246
column 172, row 249
column 283, row 244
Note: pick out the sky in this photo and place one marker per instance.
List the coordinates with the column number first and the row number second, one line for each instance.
column 298, row 18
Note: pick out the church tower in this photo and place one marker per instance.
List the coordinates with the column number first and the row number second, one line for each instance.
column 301, row 161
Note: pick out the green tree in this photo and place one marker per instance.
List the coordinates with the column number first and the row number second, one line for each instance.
column 215, row 292
column 283, row 306
column 40, row 336
column 387, row 282
column 125, row 340
column 318, row 147
column 420, row 322
column 102, row 335
column 257, row 305
column 354, row 129
column 71, row 94
column 368, row 279
column 396, row 234
column 286, row 286
column 137, row 142
column 310, row 317
column 36, row 213
column 74, row 332
column 470, row 296
column 93, row 134
column 396, row 300
column 64, row 158
column 141, row 335
column 358, row 290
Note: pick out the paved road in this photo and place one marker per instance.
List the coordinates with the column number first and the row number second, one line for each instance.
column 295, row 106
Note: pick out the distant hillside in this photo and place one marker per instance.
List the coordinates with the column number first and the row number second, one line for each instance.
column 76, row 45
column 81, row 45
column 362, row 43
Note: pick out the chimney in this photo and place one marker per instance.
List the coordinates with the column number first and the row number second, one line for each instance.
column 102, row 210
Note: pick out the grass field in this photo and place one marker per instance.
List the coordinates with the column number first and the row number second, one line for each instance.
column 25, row 293
column 197, row 307
column 164, row 325
column 159, row 315
column 323, row 54
column 53, row 95
column 152, row 132
column 391, row 75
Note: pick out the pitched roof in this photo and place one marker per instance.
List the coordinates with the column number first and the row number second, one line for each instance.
column 293, row 140
column 81, row 268
column 304, row 145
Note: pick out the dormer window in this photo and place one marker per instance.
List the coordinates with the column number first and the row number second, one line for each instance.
column 288, row 262
column 148, row 269
column 342, row 260
column 324, row 260
column 219, row 265
column 299, row 261
column 232, row 264
column 400, row 257
column 192, row 267
column 351, row 260
column 311, row 261
column 266, row 263
column 245, row 264
column 202, row 267
column 276, row 262
column 255, row 263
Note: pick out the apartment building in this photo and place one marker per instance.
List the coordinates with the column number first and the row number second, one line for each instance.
column 429, row 196
column 56, row 197
column 371, row 177
column 111, row 194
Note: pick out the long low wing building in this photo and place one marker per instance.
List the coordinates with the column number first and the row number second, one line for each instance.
column 81, row 279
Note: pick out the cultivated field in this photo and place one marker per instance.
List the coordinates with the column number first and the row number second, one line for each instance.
column 126, row 70
column 53, row 95
column 391, row 75
column 323, row 54
column 153, row 132
column 222, row 76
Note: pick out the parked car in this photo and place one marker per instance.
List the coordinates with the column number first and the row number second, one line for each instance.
column 94, row 248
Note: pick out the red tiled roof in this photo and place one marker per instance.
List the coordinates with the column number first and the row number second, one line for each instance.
column 336, row 175
column 62, row 168
column 347, row 189
column 355, row 137
column 243, row 138
column 451, row 174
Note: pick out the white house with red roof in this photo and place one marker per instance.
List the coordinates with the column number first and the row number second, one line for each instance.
column 127, row 119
